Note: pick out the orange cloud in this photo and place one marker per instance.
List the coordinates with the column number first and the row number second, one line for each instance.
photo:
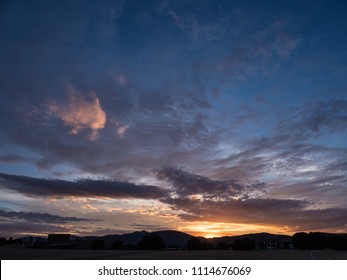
column 80, row 113
column 121, row 130
column 90, row 207
column 113, row 209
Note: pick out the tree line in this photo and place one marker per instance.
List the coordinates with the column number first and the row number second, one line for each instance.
column 319, row 241
column 301, row 241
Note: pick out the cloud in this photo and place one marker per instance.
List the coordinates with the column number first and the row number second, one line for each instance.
column 80, row 113
column 198, row 198
column 185, row 183
column 41, row 217
column 251, row 53
column 25, row 228
column 37, row 187
column 24, row 223
column 11, row 158
column 121, row 130
column 274, row 40
column 196, row 29
column 316, row 118
column 294, row 214
column 122, row 80
column 90, row 207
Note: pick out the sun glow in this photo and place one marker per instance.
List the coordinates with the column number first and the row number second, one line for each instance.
column 210, row 229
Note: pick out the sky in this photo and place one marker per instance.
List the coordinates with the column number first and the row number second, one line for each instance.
column 210, row 117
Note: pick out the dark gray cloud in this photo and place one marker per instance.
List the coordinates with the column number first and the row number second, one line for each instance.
column 292, row 214
column 37, row 187
column 185, row 183
column 41, row 217
column 203, row 199
column 25, row 228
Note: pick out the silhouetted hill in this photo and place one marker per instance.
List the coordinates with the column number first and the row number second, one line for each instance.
column 127, row 238
column 256, row 237
column 172, row 238
column 179, row 239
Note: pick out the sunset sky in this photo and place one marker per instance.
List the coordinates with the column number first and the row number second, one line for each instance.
column 210, row 117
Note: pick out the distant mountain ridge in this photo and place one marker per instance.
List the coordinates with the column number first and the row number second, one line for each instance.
column 257, row 237
column 173, row 238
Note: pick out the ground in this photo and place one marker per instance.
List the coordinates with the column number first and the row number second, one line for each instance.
column 50, row 254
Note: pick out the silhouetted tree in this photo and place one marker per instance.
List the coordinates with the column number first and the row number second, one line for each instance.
column 151, row 242
column 262, row 246
column 194, row 244
column 286, row 245
column 18, row 242
column 301, row 241
column 338, row 243
column 98, row 244
column 222, row 246
column 2, row 241
column 311, row 241
column 317, row 241
column 10, row 241
column 117, row 245
column 206, row 246
column 244, row 244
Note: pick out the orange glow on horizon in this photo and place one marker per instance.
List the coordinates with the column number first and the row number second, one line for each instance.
column 211, row 229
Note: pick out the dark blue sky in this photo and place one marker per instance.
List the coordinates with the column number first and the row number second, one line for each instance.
column 214, row 117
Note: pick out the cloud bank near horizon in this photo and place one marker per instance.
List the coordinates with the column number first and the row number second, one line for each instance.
column 193, row 197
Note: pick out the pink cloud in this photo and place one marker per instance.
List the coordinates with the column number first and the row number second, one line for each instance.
column 80, row 113
column 121, row 130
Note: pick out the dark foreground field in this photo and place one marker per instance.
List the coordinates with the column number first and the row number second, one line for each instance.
column 49, row 254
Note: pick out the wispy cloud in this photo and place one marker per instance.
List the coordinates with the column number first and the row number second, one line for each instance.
column 197, row 30
column 11, row 158
column 90, row 207
column 316, row 118
column 121, row 130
